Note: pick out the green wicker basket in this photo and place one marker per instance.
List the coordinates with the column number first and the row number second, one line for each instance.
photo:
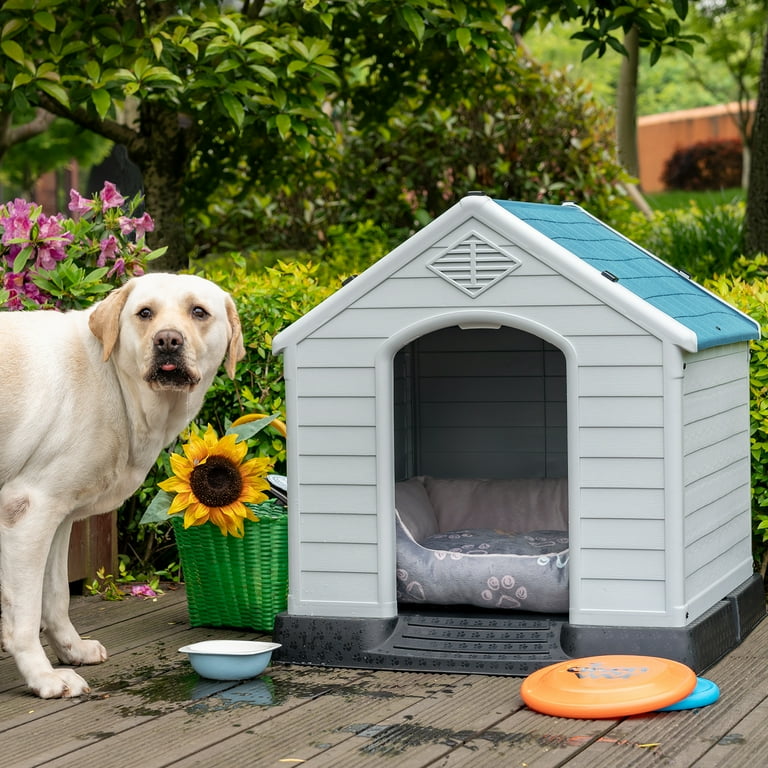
column 231, row 582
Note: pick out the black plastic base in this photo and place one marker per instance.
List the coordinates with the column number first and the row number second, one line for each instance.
column 440, row 639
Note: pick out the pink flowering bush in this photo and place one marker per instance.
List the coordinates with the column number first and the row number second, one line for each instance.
column 55, row 262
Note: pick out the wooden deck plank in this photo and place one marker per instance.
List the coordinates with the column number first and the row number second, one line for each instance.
column 146, row 694
column 528, row 739
column 183, row 729
column 745, row 744
column 432, row 728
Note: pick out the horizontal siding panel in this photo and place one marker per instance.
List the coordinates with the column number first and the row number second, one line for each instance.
column 335, row 382
column 631, row 350
column 709, row 488
column 629, row 596
column 738, row 556
column 639, row 442
column 336, row 411
column 622, row 473
column 705, row 432
column 721, row 576
column 499, row 439
column 409, row 288
column 334, row 353
column 707, row 549
column 342, row 499
column 338, row 470
column 493, row 465
column 634, row 503
column 334, row 441
column 730, row 506
column 458, row 389
column 709, row 460
column 339, row 557
column 384, row 321
column 513, row 363
column 320, row 586
column 705, row 402
column 518, row 415
column 701, row 372
column 621, row 412
column 348, row 529
column 607, row 381
column 604, row 533
column 622, row 564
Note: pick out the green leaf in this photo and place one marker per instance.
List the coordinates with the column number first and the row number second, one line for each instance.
column 54, row 90
column 22, row 258
column 45, row 20
column 250, row 428
column 283, row 123
column 157, row 511
column 463, row 38
column 102, row 101
column 414, row 22
column 13, row 50
column 234, row 108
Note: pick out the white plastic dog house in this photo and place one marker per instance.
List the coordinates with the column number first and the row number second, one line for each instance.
column 512, row 340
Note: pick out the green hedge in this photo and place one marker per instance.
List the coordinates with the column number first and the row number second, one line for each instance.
column 747, row 289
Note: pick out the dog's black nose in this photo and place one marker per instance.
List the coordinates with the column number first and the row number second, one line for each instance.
column 168, row 341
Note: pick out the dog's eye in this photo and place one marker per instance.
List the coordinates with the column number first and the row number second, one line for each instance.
column 145, row 313
column 199, row 313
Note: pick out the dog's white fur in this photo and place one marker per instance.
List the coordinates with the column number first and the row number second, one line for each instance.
column 88, row 399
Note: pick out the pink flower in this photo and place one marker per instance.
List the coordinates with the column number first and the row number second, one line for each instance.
column 17, row 223
column 110, row 197
column 78, row 204
column 143, row 225
column 52, row 241
column 143, row 590
column 140, row 226
column 109, row 247
column 118, row 268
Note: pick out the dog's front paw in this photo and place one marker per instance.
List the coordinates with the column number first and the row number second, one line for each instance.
column 82, row 652
column 59, row 684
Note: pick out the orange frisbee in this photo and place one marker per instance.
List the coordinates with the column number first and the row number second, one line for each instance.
column 607, row 686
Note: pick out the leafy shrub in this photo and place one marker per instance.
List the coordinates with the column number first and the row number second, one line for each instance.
column 747, row 289
column 714, row 164
column 700, row 242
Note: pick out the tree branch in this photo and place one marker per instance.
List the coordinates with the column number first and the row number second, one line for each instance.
column 15, row 134
column 109, row 129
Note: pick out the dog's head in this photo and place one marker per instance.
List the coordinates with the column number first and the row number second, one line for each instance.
column 174, row 330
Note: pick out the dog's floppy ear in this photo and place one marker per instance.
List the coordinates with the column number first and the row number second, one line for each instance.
column 104, row 321
column 236, row 350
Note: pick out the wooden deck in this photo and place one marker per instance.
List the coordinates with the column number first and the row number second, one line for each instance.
column 147, row 708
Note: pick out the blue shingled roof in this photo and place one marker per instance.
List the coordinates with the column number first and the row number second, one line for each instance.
column 714, row 321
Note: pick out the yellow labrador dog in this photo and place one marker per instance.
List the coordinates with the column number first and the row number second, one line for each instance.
column 88, row 399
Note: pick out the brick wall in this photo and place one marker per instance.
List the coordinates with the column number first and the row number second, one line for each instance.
column 660, row 135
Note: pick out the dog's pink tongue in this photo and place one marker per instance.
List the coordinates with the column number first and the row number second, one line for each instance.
column 168, row 367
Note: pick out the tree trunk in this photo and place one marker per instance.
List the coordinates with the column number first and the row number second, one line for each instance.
column 161, row 153
column 756, row 222
column 626, row 105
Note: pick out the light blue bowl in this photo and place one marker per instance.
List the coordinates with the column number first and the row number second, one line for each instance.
column 229, row 659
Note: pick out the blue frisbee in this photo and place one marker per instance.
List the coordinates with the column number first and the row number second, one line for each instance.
column 705, row 693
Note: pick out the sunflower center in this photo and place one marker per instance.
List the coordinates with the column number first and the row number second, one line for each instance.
column 217, row 482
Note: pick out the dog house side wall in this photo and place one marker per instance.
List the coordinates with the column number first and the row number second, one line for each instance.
column 716, row 447
column 342, row 543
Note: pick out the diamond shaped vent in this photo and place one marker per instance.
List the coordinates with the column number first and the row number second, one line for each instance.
column 473, row 264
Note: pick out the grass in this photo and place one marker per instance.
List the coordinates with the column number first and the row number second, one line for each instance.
column 674, row 199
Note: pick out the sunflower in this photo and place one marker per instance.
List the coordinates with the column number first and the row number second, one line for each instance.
column 212, row 482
